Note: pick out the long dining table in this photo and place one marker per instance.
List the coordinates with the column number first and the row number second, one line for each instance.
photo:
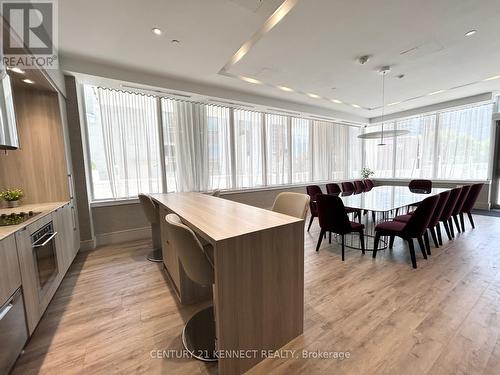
column 379, row 204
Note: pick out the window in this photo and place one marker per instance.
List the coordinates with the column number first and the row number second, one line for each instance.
column 322, row 141
column 355, row 150
column 122, row 131
column 339, row 152
column 380, row 158
column 301, row 150
column 277, row 149
column 248, row 150
column 219, row 148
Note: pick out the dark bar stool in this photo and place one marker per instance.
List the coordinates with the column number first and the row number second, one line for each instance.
column 152, row 214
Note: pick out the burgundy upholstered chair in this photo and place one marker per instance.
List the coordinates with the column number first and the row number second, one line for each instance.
column 333, row 189
column 333, row 218
column 420, row 186
column 469, row 203
column 359, row 186
column 414, row 228
column 348, row 187
column 458, row 208
column 433, row 224
column 312, row 191
column 369, row 184
column 447, row 212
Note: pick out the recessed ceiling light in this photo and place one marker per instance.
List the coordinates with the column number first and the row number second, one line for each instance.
column 436, row 92
column 492, row 78
column 337, row 101
column 314, row 96
column 356, row 106
column 16, row 70
column 395, row 103
column 156, row 31
column 28, row 81
column 251, row 80
column 284, row 88
column 470, row 33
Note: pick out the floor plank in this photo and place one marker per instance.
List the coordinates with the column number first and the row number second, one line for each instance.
column 114, row 307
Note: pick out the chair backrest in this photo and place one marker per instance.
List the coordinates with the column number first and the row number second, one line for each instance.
column 359, row 186
column 420, row 186
column 471, row 199
column 312, row 191
column 450, row 204
column 461, row 199
column 332, row 215
column 189, row 250
column 293, row 204
column 443, row 198
column 347, row 187
column 150, row 208
column 333, row 188
column 369, row 184
column 419, row 221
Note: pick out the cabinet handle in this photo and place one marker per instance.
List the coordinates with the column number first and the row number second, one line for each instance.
column 6, row 309
column 51, row 237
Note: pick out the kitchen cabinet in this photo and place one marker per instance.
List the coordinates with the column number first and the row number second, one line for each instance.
column 10, row 277
column 65, row 239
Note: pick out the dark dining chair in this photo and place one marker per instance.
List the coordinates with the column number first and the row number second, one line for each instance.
column 414, row 228
column 458, row 208
column 369, row 183
column 420, row 186
column 434, row 222
column 469, row 203
column 312, row 191
column 348, row 187
column 333, row 219
column 333, row 189
column 359, row 186
column 446, row 214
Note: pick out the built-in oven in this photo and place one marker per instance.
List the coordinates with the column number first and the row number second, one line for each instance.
column 43, row 243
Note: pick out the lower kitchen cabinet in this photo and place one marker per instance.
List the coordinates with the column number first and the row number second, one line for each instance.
column 10, row 277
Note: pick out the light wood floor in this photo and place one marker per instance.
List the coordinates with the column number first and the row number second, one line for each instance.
column 114, row 307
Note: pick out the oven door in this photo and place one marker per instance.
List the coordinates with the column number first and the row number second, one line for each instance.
column 45, row 255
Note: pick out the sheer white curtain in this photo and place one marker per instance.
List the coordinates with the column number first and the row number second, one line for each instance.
column 248, row 148
column 355, row 153
column 464, row 143
column 339, row 152
column 415, row 150
column 277, row 149
column 301, row 150
column 380, row 159
column 130, row 141
column 322, row 150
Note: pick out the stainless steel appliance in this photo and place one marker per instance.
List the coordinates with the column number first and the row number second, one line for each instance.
column 9, row 139
column 13, row 331
column 43, row 242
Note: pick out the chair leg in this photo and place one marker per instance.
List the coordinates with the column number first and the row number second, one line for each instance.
column 391, row 242
column 471, row 220
column 310, row 223
column 447, row 229
column 343, row 248
column 373, row 216
column 457, row 224
column 320, row 239
column 412, row 253
column 375, row 244
column 422, row 246
column 462, row 221
column 426, row 242
column 329, row 237
column 438, row 231
column 362, row 241
column 434, row 237
column 452, row 229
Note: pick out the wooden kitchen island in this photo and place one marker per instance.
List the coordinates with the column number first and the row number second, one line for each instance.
column 259, row 273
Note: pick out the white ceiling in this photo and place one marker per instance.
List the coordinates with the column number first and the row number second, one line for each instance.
column 313, row 49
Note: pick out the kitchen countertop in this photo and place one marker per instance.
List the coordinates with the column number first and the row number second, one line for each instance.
column 43, row 208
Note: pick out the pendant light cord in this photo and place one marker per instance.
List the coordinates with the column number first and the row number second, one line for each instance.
column 383, row 107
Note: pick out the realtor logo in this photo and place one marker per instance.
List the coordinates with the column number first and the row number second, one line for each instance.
column 30, row 33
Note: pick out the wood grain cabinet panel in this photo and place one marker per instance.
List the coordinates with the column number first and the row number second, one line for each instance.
column 10, row 276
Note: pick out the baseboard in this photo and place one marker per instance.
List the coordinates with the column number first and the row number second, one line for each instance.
column 88, row 245
column 123, row 236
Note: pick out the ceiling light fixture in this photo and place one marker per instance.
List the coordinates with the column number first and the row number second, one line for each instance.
column 436, row 92
column 337, row 101
column 380, row 134
column 356, row 106
column 16, row 70
column 156, row 31
column 492, row 78
column 28, row 81
column 250, row 80
column 395, row 103
column 284, row 88
column 470, row 33
column 314, row 96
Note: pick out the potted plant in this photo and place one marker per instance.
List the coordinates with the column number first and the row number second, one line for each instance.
column 366, row 173
column 12, row 196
